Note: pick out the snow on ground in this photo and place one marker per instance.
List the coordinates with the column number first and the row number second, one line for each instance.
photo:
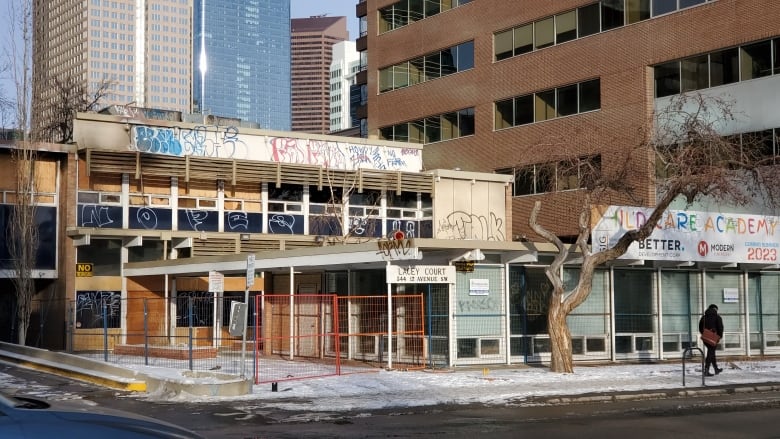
column 382, row 389
column 500, row 385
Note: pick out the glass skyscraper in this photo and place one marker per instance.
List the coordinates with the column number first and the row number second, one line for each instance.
column 241, row 60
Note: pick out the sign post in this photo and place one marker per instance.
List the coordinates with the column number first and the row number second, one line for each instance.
column 250, row 281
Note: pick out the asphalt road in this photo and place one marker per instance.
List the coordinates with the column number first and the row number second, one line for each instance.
column 746, row 415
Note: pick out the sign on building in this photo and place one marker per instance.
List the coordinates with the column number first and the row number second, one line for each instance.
column 420, row 274
column 689, row 235
column 84, row 270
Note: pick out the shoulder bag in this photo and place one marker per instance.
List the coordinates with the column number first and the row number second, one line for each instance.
column 710, row 337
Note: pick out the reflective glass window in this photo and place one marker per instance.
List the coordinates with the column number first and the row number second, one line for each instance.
column 401, row 132
column 466, row 122
column 432, row 66
column 588, row 20
column 385, row 19
column 432, row 7
column 386, row 133
column 401, row 75
column 590, row 95
column 449, row 126
column 694, row 73
column 661, row 7
column 637, row 10
column 386, row 79
column 447, row 57
column 724, row 67
column 416, row 10
column 502, row 45
column 524, row 110
column 544, row 105
column 667, row 79
column 416, row 71
column 504, row 114
column 612, row 14
column 544, row 33
column 417, row 131
column 432, row 129
column 567, row 100
column 756, row 60
column 565, row 27
column 465, row 59
column 689, row 3
column 524, row 39
column 285, row 192
column 524, row 181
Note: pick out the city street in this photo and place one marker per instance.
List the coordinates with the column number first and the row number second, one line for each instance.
column 745, row 415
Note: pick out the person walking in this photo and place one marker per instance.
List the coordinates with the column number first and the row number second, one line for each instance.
column 711, row 320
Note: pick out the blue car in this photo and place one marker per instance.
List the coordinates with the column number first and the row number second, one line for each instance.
column 24, row 418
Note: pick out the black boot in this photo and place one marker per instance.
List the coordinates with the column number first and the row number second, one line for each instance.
column 717, row 371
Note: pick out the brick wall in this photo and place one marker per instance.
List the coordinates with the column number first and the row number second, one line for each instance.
column 620, row 57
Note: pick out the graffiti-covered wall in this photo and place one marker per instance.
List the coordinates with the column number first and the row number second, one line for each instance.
column 225, row 141
column 471, row 208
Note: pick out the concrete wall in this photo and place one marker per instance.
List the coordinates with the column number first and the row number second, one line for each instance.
column 471, row 206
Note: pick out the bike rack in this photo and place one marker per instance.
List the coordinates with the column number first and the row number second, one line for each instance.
column 686, row 352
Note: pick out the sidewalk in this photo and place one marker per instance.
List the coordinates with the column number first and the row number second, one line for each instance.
column 381, row 389
column 507, row 385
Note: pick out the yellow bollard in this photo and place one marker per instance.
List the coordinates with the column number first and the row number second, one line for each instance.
column 485, row 371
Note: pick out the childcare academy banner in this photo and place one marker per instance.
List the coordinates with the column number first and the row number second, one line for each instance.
column 688, row 235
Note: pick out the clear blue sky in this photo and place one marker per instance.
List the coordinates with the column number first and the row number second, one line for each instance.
column 333, row 8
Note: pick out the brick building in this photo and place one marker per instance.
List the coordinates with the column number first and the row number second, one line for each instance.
column 489, row 85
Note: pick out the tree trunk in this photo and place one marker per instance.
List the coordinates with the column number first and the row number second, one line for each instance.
column 560, row 337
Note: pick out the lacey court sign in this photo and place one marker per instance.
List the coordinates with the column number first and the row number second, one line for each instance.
column 421, row 274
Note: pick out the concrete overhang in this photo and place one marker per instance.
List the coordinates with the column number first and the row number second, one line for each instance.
column 368, row 255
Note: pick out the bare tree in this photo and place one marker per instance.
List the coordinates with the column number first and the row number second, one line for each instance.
column 22, row 232
column 694, row 161
column 341, row 219
column 71, row 96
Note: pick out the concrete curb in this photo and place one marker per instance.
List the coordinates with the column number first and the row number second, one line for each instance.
column 117, row 377
column 72, row 366
column 654, row 394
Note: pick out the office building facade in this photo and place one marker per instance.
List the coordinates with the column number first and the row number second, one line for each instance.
column 312, row 53
column 140, row 50
column 489, row 86
column 343, row 72
column 509, row 87
column 241, row 60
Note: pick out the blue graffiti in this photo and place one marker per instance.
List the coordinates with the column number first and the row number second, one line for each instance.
column 201, row 141
column 157, row 140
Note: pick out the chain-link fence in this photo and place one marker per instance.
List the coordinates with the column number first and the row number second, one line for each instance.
column 288, row 336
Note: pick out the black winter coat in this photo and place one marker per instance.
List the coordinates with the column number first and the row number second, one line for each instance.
column 711, row 320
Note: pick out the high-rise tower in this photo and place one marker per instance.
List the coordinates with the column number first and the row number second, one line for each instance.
column 140, row 49
column 312, row 52
column 241, row 60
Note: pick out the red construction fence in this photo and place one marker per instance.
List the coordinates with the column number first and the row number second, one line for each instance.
column 302, row 336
